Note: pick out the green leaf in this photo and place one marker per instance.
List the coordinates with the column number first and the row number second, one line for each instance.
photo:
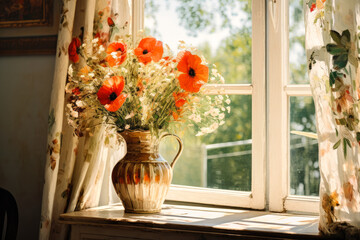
column 358, row 136
column 335, row 36
column 335, row 49
column 51, row 119
column 345, row 37
column 115, row 30
column 344, row 147
column 337, row 133
column 337, row 144
column 340, row 61
column 341, row 121
column 333, row 76
column 348, row 142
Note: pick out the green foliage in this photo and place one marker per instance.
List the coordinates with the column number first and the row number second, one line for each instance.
column 197, row 16
column 337, row 144
column 233, row 57
column 340, row 50
column 334, row 76
column 235, row 176
column 304, row 168
column 298, row 71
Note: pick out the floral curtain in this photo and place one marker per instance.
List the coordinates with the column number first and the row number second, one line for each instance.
column 77, row 169
column 332, row 47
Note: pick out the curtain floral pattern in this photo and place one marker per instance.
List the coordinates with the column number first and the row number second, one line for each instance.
column 77, row 169
column 332, row 47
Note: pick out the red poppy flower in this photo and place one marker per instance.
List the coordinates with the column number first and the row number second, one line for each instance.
column 176, row 115
column 313, row 7
column 168, row 60
column 149, row 49
column 110, row 93
column 76, row 91
column 116, row 54
column 101, row 41
column 110, row 22
column 180, row 99
column 74, row 50
column 194, row 74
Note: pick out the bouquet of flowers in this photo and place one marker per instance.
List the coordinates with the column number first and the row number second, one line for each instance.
column 141, row 85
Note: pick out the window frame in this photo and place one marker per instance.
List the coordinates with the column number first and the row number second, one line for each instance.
column 279, row 93
column 270, row 117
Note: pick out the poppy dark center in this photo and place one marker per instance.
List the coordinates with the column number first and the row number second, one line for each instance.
column 145, row 51
column 192, row 72
column 119, row 50
column 112, row 96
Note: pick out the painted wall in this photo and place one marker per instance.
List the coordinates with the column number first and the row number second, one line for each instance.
column 25, row 85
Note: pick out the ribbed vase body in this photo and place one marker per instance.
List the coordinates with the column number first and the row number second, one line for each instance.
column 142, row 178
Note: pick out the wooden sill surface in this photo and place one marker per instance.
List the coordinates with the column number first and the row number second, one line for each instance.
column 202, row 219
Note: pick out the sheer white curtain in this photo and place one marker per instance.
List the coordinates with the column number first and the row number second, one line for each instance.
column 332, row 45
column 78, row 169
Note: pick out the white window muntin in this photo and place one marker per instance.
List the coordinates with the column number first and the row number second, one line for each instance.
column 279, row 93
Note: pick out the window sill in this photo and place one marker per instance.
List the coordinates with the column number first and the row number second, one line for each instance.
column 181, row 222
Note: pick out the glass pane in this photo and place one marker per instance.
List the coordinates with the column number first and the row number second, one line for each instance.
column 220, row 29
column 297, row 55
column 304, row 165
column 218, row 160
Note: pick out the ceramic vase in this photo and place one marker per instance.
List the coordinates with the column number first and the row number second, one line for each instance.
column 143, row 177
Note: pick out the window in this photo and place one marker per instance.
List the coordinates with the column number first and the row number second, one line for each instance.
column 247, row 162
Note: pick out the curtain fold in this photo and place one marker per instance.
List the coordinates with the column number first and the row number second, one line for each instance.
column 78, row 169
column 332, row 47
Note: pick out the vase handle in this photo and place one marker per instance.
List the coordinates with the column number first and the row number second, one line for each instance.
column 180, row 147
